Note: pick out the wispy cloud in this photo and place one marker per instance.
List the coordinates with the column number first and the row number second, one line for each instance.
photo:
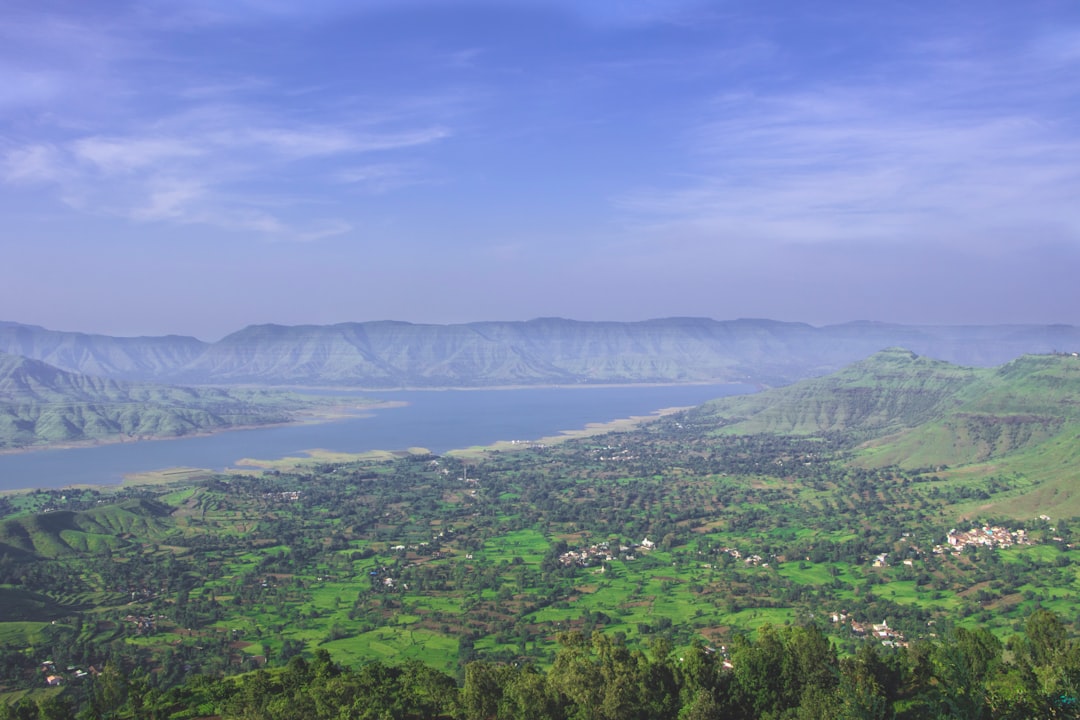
column 122, row 155
column 169, row 200
column 193, row 167
column 383, row 177
column 31, row 164
column 870, row 161
column 48, row 56
column 103, row 111
column 313, row 142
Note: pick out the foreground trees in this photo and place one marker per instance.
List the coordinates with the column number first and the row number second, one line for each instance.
column 785, row 673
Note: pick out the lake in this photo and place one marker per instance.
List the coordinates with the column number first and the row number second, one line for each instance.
column 438, row 420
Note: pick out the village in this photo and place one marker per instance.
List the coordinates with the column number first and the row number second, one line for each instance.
column 879, row 631
column 55, row 677
column 602, row 552
column 987, row 536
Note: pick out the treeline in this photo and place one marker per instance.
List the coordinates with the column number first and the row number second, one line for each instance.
column 785, row 673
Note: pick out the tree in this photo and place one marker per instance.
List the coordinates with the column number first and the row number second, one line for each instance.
column 109, row 693
column 426, row 691
column 482, row 691
column 810, row 661
column 759, row 686
column 528, row 696
column 961, row 665
column 1045, row 637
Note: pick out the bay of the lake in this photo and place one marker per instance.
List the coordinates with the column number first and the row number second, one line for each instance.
column 439, row 420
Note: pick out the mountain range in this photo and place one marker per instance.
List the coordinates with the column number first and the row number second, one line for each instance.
column 546, row 351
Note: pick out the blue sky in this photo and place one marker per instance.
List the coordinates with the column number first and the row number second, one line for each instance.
column 195, row 167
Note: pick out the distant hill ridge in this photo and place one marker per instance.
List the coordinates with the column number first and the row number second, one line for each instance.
column 545, row 351
column 912, row 411
column 887, row 392
column 41, row 404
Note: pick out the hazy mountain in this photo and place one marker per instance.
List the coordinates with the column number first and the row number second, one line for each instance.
column 42, row 404
column 138, row 358
column 536, row 352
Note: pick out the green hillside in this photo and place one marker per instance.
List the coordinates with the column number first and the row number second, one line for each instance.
column 99, row 530
column 918, row 411
column 1020, row 420
column 41, row 404
column 1022, row 409
column 890, row 391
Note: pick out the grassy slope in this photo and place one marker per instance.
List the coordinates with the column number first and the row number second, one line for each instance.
column 40, row 404
column 66, row 533
column 1023, row 422
column 892, row 390
column 1020, row 420
column 1011, row 410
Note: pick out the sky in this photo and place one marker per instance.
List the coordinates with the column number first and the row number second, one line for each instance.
column 194, row 167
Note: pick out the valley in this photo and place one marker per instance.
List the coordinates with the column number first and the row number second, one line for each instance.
column 708, row 528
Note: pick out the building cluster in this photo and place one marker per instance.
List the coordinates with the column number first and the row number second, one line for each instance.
column 615, row 454
column 722, row 652
column 879, row 631
column 381, row 578
column 986, row 536
column 144, row 624
column 530, row 444
column 603, row 552
column 747, row 559
column 55, row 677
column 142, row 594
column 284, row 496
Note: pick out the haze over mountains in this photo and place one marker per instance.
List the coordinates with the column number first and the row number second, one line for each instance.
column 41, row 404
column 388, row 354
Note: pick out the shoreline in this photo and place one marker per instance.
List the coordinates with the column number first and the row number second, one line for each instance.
column 341, row 412
column 322, row 455
column 329, row 414
column 244, row 466
column 591, row 429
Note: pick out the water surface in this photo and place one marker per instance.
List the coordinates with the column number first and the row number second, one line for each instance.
column 437, row 420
